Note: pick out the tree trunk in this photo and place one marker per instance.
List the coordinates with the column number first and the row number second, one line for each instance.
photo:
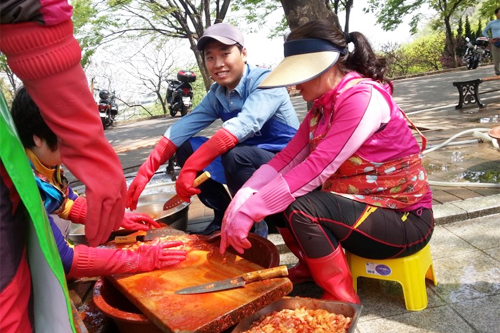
column 162, row 102
column 298, row 12
column 201, row 64
column 348, row 7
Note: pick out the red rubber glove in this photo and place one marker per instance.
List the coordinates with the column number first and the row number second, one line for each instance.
column 217, row 145
column 47, row 60
column 131, row 221
column 88, row 261
column 78, row 212
column 163, row 150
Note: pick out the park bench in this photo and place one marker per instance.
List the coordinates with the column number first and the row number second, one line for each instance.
column 469, row 91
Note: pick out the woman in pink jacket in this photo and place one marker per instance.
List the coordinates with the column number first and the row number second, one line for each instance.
column 351, row 177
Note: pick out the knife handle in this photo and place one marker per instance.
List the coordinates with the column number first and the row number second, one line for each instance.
column 201, row 178
column 279, row 271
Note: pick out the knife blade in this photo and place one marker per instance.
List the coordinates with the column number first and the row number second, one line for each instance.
column 145, row 236
column 176, row 200
column 236, row 282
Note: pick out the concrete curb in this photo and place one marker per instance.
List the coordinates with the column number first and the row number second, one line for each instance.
column 466, row 209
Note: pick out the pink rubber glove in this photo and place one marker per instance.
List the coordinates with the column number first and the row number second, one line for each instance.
column 47, row 60
column 163, row 150
column 138, row 221
column 260, row 177
column 234, row 232
column 88, row 261
column 217, row 145
column 236, row 224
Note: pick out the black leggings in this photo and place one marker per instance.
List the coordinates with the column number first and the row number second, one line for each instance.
column 320, row 220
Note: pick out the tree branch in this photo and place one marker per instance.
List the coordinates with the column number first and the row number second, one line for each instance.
column 134, row 105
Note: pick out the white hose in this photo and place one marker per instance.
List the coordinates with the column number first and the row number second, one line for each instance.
column 459, row 143
column 482, row 137
column 456, row 136
column 486, row 138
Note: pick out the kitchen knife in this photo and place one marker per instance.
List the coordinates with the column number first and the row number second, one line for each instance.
column 176, row 200
column 145, row 236
column 235, row 282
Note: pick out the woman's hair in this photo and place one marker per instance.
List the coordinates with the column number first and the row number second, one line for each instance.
column 29, row 121
column 362, row 60
column 497, row 10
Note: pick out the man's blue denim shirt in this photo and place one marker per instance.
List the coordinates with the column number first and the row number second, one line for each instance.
column 244, row 112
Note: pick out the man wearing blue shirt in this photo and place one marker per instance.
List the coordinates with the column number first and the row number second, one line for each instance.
column 494, row 27
column 257, row 123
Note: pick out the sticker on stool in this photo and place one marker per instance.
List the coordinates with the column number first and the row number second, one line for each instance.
column 378, row 269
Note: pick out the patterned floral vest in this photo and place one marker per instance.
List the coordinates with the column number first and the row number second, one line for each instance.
column 393, row 184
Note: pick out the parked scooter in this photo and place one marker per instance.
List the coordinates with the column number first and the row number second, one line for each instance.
column 108, row 109
column 476, row 52
column 180, row 93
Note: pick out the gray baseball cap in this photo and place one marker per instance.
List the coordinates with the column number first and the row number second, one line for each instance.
column 223, row 32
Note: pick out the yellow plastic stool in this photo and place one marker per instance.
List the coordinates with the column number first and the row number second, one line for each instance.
column 410, row 272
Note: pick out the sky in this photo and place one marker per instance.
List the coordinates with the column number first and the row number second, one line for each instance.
column 264, row 51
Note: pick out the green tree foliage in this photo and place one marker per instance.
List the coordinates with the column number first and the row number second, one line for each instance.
column 420, row 56
column 460, row 39
column 427, row 53
column 9, row 83
column 487, row 9
column 188, row 19
column 399, row 62
column 479, row 31
column 460, row 29
column 468, row 29
column 90, row 22
column 180, row 19
column 390, row 14
column 256, row 12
